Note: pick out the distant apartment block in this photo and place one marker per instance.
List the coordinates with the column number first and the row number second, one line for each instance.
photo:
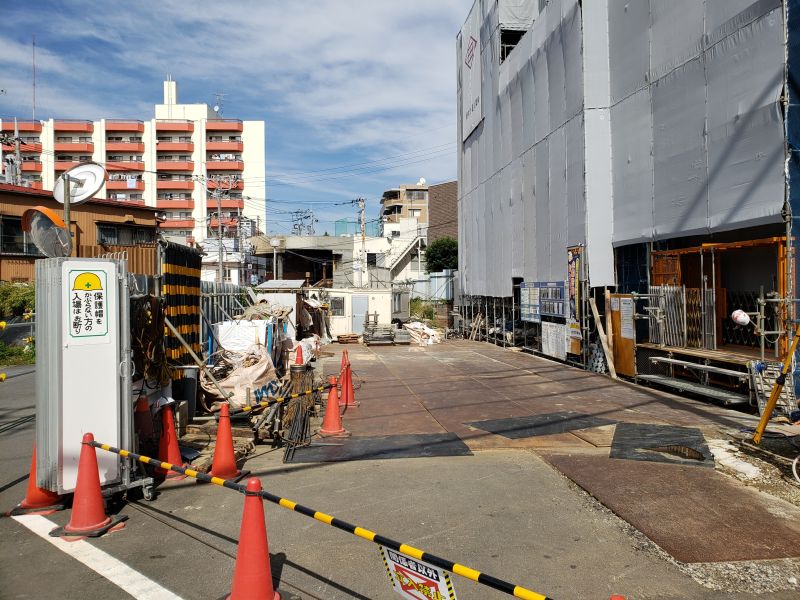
column 169, row 162
column 443, row 211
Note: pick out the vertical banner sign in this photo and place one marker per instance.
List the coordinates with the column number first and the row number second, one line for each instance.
column 412, row 578
column 574, row 260
column 470, row 50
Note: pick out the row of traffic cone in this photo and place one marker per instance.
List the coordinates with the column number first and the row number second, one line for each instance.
column 332, row 422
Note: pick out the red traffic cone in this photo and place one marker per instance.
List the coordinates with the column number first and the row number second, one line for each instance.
column 299, row 356
column 38, row 501
column 332, row 423
column 88, row 518
column 168, row 450
column 224, row 463
column 348, row 397
column 252, row 577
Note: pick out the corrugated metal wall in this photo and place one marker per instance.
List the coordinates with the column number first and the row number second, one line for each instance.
column 141, row 259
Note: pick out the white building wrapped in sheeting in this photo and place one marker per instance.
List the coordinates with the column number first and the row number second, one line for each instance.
column 613, row 122
column 654, row 138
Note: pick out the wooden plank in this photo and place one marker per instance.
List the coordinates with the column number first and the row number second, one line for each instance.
column 603, row 339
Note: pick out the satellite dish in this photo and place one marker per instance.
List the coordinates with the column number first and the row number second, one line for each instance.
column 47, row 231
column 421, row 181
column 216, row 108
column 85, row 181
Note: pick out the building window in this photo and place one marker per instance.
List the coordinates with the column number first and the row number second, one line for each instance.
column 13, row 240
column 123, row 235
column 413, row 195
column 372, row 259
column 337, row 306
column 414, row 212
column 509, row 38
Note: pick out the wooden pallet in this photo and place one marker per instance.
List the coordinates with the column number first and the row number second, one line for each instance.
column 348, row 338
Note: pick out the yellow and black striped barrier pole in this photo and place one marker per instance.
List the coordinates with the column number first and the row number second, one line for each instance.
column 459, row 569
column 282, row 399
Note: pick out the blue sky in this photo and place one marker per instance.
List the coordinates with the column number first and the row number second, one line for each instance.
column 357, row 96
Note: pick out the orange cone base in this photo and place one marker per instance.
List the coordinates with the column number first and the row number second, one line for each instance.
column 21, row 509
column 276, row 596
column 341, row 432
column 114, row 523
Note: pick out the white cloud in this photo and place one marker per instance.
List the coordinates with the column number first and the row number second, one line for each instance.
column 377, row 77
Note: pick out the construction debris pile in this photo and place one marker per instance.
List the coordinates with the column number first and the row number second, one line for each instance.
column 421, row 334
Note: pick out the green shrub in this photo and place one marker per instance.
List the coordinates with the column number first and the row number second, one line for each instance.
column 421, row 309
column 16, row 298
column 17, row 355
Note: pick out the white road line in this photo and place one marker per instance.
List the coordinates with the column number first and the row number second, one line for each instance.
column 117, row 572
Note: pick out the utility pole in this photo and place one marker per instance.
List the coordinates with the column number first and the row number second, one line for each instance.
column 362, row 204
column 228, row 182
column 18, row 170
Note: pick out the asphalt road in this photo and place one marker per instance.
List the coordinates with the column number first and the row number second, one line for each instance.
column 504, row 512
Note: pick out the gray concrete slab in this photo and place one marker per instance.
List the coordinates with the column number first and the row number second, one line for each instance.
column 506, row 512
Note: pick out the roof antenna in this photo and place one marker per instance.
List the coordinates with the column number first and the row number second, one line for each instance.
column 34, row 78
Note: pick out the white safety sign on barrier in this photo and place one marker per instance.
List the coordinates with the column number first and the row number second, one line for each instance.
column 412, row 578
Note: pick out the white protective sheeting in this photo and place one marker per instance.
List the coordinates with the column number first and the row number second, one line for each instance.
column 521, row 175
column 700, row 138
column 659, row 119
column 517, row 14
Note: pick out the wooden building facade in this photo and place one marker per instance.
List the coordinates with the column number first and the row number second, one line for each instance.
column 98, row 227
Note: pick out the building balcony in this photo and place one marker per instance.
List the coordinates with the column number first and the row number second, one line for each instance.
column 73, row 147
column 224, row 125
column 226, row 222
column 227, row 203
column 32, row 148
column 169, row 184
column 79, row 126
column 124, row 125
column 35, row 185
column 224, row 146
column 135, row 202
column 175, row 146
column 176, row 125
column 180, row 203
column 174, row 165
column 135, row 147
column 125, row 165
column 26, row 126
column 212, row 185
column 225, row 165
column 63, row 165
column 122, row 184
column 171, row 223
column 30, row 165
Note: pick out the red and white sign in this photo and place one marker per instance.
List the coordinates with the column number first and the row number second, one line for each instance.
column 415, row 579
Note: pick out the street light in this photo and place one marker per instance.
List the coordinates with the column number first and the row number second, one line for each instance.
column 275, row 242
